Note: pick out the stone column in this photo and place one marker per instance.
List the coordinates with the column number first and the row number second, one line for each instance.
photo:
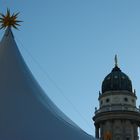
column 97, row 132
column 123, row 129
column 135, row 131
column 101, row 131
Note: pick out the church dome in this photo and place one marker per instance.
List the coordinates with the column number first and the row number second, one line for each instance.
column 116, row 80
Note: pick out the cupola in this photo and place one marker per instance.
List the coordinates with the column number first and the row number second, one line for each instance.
column 116, row 80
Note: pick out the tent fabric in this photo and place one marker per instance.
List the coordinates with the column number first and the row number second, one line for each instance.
column 26, row 112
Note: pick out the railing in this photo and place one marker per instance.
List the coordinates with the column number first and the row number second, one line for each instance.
column 117, row 108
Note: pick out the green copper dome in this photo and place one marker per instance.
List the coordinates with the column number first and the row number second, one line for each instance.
column 116, row 80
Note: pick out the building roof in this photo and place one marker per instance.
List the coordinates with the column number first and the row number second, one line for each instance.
column 116, row 80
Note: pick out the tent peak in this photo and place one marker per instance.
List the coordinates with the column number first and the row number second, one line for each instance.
column 8, row 32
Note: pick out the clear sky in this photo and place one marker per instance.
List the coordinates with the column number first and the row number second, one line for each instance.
column 69, row 45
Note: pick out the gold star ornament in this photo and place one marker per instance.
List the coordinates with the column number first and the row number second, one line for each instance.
column 9, row 20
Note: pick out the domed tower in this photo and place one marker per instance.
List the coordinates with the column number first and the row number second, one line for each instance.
column 117, row 117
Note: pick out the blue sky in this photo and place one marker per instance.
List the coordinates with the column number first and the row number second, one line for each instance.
column 69, row 45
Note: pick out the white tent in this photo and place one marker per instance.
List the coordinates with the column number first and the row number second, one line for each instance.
column 26, row 112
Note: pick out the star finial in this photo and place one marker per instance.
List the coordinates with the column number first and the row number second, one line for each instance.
column 9, row 20
column 116, row 61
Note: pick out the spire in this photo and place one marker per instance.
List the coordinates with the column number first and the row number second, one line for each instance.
column 116, row 61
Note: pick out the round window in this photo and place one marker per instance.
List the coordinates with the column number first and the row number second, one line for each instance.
column 133, row 101
column 107, row 100
column 126, row 99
